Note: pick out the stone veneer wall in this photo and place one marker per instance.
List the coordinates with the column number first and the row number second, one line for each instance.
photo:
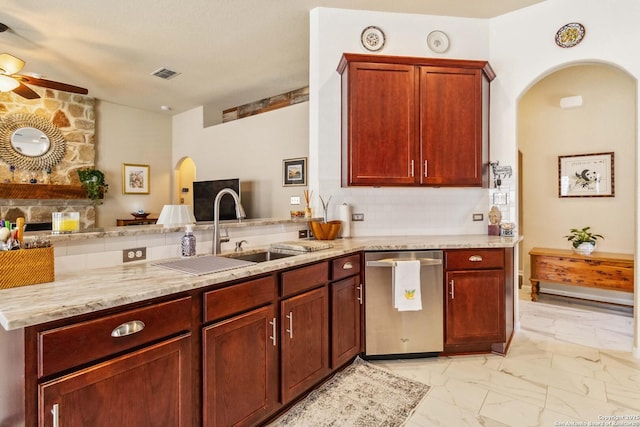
column 74, row 115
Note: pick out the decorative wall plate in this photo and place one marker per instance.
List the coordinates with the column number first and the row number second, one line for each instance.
column 570, row 35
column 372, row 38
column 438, row 41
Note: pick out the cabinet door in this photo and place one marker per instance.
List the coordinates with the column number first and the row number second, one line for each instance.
column 148, row 387
column 240, row 383
column 451, row 128
column 346, row 300
column 305, row 341
column 379, row 124
column 475, row 307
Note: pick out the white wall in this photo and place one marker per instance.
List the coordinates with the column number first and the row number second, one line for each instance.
column 130, row 135
column 251, row 149
column 388, row 211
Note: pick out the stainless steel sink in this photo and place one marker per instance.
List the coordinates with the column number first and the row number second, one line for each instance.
column 261, row 256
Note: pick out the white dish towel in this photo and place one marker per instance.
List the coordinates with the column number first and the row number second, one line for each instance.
column 406, row 286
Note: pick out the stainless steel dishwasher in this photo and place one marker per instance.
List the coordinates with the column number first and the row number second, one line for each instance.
column 389, row 332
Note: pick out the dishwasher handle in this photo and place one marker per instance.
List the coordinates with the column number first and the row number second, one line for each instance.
column 391, row 262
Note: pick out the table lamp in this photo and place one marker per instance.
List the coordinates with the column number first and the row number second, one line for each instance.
column 176, row 215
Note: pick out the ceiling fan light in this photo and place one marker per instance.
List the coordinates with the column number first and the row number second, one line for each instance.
column 10, row 64
column 7, row 84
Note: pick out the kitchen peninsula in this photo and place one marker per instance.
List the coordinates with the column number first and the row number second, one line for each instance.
column 51, row 347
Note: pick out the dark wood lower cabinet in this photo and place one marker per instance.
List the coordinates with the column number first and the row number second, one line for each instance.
column 240, row 369
column 304, row 329
column 346, row 300
column 147, row 387
column 475, row 310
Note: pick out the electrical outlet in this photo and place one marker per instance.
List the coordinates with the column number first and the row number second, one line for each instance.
column 357, row 217
column 478, row 217
column 295, row 200
column 303, row 234
column 134, row 254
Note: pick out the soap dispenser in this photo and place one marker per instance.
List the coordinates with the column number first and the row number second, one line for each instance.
column 188, row 242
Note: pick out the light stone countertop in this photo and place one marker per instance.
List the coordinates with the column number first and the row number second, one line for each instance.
column 96, row 289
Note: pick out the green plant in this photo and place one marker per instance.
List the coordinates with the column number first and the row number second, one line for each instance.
column 94, row 183
column 584, row 235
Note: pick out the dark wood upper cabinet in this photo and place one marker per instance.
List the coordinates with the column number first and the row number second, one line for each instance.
column 414, row 121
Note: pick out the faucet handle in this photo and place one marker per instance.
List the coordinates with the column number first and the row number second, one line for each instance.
column 239, row 245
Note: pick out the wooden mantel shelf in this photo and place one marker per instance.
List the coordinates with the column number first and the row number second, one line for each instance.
column 41, row 191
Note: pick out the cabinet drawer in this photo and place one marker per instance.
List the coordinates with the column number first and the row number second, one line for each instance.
column 345, row 266
column 237, row 298
column 303, row 278
column 68, row 346
column 474, row 259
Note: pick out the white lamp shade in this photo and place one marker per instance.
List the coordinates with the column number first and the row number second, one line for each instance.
column 9, row 64
column 175, row 215
column 7, row 84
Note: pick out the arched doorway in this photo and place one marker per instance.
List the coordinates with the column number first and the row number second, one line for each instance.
column 605, row 122
column 184, row 175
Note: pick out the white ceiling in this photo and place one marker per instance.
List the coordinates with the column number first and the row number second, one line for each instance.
column 229, row 52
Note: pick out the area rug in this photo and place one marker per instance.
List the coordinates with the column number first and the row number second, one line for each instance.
column 359, row 395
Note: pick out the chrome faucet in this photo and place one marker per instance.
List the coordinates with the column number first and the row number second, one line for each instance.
column 216, row 216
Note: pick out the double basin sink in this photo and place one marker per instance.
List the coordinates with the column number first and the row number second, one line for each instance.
column 208, row 264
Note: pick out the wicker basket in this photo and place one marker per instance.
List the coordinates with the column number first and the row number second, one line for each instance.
column 26, row 267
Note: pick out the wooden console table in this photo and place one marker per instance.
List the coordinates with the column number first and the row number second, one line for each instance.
column 136, row 221
column 602, row 270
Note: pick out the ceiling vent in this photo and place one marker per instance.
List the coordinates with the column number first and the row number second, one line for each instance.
column 165, row 73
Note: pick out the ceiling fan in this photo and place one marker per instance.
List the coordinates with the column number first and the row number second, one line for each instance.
column 10, row 81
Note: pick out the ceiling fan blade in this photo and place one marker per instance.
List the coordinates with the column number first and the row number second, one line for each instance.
column 26, row 92
column 51, row 84
column 9, row 64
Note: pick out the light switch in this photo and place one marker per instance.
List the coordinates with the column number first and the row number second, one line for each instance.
column 295, row 200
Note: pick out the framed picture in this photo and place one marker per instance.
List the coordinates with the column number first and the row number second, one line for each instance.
column 294, row 172
column 586, row 175
column 135, row 179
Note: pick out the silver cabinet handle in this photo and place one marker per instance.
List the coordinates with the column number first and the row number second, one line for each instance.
column 475, row 258
column 128, row 328
column 273, row 331
column 360, row 294
column 453, row 289
column 290, row 330
column 347, row 265
column 426, row 174
column 55, row 413
column 412, row 167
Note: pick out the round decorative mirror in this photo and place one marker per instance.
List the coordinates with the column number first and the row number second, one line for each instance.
column 28, row 141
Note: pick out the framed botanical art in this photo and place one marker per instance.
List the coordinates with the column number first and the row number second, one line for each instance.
column 135, row 179
column 586, row 175
column 294, row 172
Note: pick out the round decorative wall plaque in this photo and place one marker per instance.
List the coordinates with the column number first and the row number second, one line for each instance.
column 570, row 35
column 372, row 38
column 438, row 41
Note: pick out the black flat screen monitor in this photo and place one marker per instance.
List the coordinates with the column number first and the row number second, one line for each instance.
column 205, row 192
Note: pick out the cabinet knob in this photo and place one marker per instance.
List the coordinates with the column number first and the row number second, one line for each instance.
column 128, row 328
column 475, row 258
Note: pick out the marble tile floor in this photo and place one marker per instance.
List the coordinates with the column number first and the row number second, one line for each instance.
column 567, row 366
